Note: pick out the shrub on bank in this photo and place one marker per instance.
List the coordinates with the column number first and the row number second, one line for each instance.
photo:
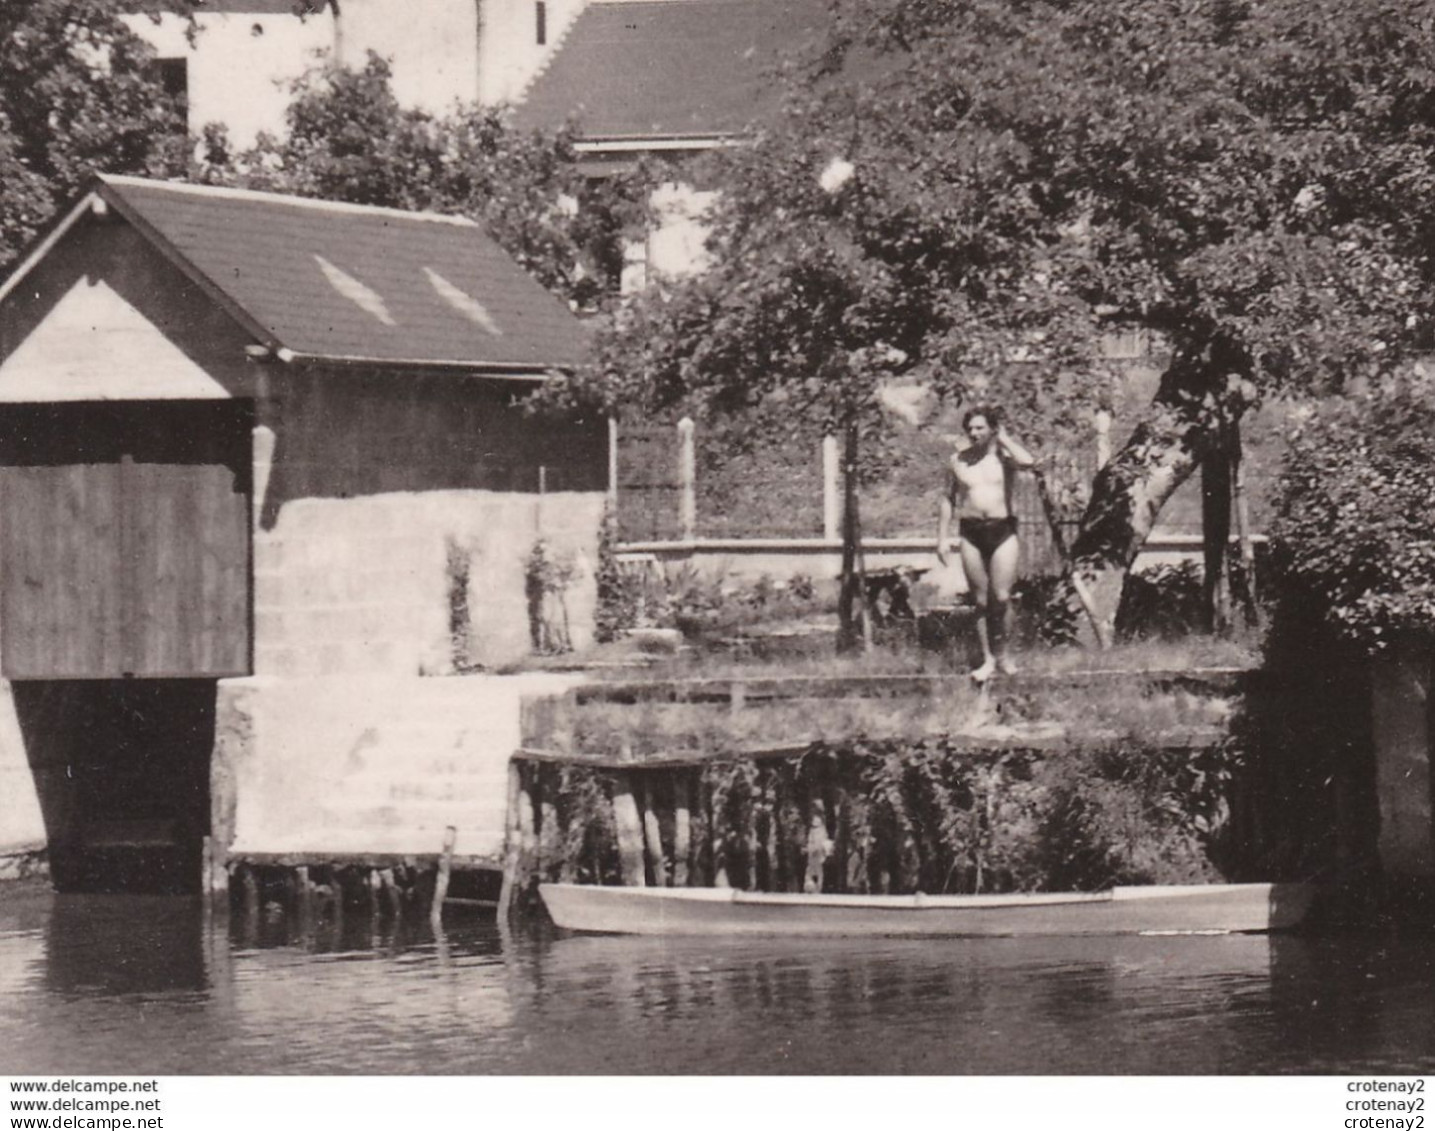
column 1353, row 534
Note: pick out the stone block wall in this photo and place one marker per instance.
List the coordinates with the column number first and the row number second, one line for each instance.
column 373, row 585
column 394, row 515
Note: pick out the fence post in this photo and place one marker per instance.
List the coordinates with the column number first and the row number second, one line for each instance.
column 687, row 480
column 831, row 491
column 613, row 465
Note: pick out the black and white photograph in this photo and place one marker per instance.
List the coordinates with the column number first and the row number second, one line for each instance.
column 716, row 538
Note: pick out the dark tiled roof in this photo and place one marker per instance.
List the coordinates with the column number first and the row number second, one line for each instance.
column 674, row 68
column 346, row 281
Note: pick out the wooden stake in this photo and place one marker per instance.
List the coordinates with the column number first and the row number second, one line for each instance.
column 772, row 843
column 629, row 826
column 440, row 885
column 511, row 844
column 717, row 844
column 1243, row 528
column 249, row 885
column 818, row 846
column 653, row 835
column 749, row 832
column 527, row 832
column 682, row 828
column 1058, row 539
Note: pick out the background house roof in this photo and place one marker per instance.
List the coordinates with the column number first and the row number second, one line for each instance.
column 676, row 68
column 346, row 281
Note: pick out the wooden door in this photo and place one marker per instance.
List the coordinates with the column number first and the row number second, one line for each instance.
column 124, row 541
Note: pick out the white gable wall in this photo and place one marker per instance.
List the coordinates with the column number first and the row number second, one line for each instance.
column 442, row 52
column 509, row 54
column 94, row 346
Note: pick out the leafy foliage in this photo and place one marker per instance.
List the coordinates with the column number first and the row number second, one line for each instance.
column 971, row 193
column 1163, row 602
column 77, row 95
column 1354, row 533
column 618, row 592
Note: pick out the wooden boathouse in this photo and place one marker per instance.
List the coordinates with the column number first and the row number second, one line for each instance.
column 264, row 484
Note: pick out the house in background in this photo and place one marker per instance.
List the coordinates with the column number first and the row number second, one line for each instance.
column 669, row 79
column 262, row 477
column 237, row 61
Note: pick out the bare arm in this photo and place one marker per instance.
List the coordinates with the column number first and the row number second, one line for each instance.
column 1015, row 451
column 944, row 525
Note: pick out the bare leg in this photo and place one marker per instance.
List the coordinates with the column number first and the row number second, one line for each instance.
column 980, row 584
column 1002, row 568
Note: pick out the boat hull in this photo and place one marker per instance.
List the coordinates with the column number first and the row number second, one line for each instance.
column 1181, row 909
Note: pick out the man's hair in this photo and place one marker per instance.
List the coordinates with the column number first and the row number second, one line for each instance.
column 987, row 412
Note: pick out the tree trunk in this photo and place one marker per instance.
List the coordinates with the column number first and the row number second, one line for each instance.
column 1216, row 534
column 854, row 625
column 1128, row 493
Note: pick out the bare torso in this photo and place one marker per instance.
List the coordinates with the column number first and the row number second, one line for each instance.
column 979, row 484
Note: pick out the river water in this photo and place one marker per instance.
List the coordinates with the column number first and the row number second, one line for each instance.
column 139, row 984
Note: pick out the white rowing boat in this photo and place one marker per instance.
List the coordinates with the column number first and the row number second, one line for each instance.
column 1173, row 909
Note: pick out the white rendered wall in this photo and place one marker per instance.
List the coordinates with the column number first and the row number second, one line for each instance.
column 241, row 66
column 432, row 46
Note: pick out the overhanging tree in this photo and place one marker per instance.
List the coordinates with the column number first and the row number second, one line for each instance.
column 1250, row 181
column 77, row 95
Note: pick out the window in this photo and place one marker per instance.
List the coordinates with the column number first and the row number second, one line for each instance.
column 173, row 76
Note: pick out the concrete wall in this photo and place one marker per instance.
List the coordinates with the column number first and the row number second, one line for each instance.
column 1402, row 732
column 367, row 765
column 22, row 824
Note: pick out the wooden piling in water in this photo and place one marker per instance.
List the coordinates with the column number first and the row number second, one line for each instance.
column 717, row 841
column 511, row 846
column 682, row 828
column 772, row 838
column 653, row 833
column 749, row 834
column 550, row 836
column 629, row 826
column 818, row 846
column 527, row 824
column 441, row 879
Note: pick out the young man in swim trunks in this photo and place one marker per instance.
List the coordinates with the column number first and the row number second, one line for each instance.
column 979, row 492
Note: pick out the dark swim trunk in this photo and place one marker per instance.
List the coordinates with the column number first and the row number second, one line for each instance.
column 987, row 534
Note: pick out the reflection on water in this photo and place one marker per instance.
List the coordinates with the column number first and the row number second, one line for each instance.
column 144, row 984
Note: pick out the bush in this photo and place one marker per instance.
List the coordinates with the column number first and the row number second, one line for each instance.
column 1041, row 613
column 618, row 593
column 1163, row 603
column 1354, row 505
